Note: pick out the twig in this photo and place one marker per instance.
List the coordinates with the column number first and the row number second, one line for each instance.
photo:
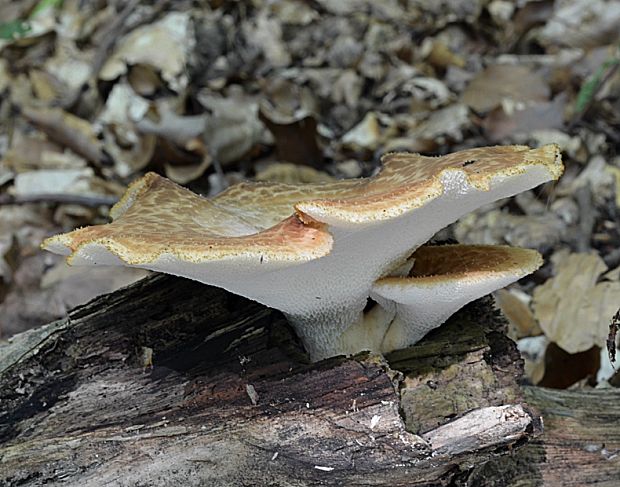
column 614, row 326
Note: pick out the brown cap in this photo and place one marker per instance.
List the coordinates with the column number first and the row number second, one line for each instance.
column 444, row 279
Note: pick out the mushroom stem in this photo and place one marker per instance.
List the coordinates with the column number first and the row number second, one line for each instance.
column 365, row 334
column 320, row 331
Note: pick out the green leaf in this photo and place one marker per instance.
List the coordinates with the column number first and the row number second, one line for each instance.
column 44, row 5
column 13, row 29
column 589, row 88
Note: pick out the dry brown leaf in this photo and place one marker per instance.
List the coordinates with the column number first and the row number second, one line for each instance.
column 78, row 182
column 499, row 227
column 73, row 287
column 365, row 135
column 69, row 65
column 500, row 125
column 441, row 56
column 28, row 153
column 123, row 111
column 533, row 352
column 179, row 129
column 29, row 303
column 446, row 122
column 5, row 76
column 582, row 23
column 294, row 12
column 615, row 172
column 144, row 80
column 53, row 181
column 67, row 130
column 598, row 175
column 296, row 141
column 348, row 88
column 232, row 127
column 129, row 158
column 504, row 81
column 267, row 33
column 164, row 45
column 515, row 306
column 183, row 173
column 44, row 86
column 573, row 310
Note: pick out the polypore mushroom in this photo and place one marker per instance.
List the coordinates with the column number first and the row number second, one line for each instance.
column 444, row 279
column 312, row 251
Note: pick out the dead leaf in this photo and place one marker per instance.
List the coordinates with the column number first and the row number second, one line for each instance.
column 73, row 287
column 53, row 181
column 179, row 129
column 365, row 135
column 582, row 23
column 533, row 352
column 296, row 142
column 446, row 122
column 441, row 56
column 164, row 45
column 233, row 126
column 500, row 125
column 29, row 304
column 267, row 33
column 119, row 121
column 504, row 81
column 29, row 153
column 515, row 306
column 498, row 227
column 294, row 12
column 67, row 130
column 69, row 65
column 598, row 175
column 572, row 309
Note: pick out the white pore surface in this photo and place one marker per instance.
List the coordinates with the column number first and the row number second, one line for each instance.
column 323, row 297
column 420, row 309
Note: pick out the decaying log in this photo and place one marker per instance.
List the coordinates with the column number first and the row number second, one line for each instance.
column 173, row 382
column 580, row 445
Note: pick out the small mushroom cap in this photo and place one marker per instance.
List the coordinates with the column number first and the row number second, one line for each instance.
column 444, row 279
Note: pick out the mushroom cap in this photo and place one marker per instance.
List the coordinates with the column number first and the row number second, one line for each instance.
column 312, row 251
column 444, row 279
column 409, row 181
column 157, row 216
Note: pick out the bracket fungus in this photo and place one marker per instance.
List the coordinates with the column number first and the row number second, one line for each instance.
column 318, row 252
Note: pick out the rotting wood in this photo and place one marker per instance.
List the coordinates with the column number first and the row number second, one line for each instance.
column 230, row 399
column 580, row 446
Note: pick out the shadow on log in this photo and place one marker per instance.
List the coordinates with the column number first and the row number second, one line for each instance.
column 173, row 382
